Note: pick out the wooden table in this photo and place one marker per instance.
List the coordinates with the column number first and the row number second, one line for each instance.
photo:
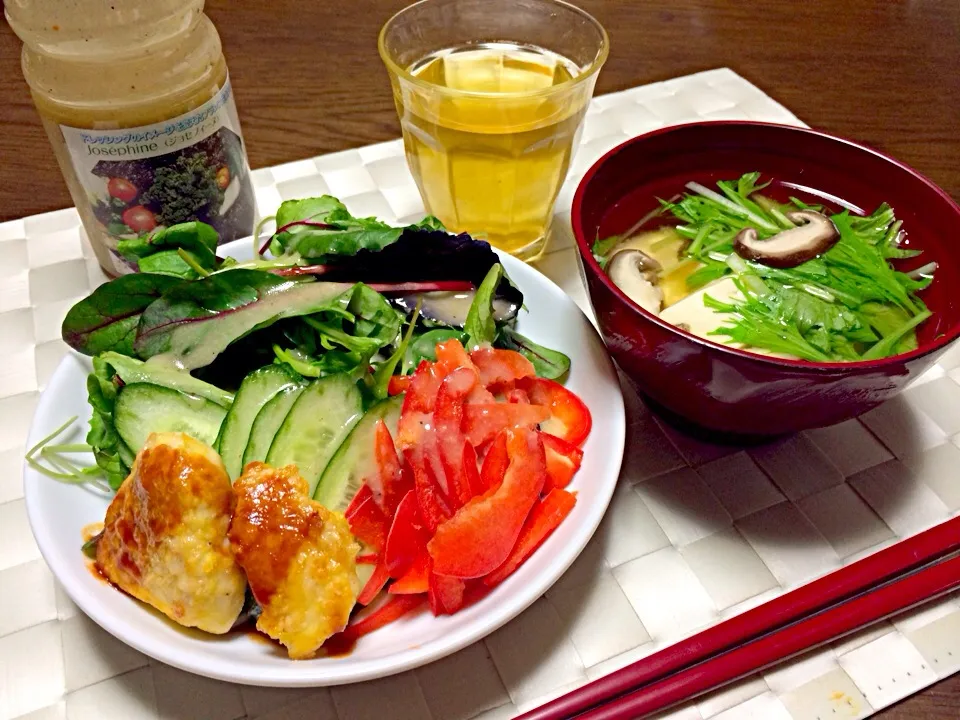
column 308, row 81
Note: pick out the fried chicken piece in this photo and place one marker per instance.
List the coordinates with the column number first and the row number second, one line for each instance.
column 165, row 540
column 300, row 558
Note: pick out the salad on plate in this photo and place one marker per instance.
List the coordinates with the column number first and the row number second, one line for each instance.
column 320, row 440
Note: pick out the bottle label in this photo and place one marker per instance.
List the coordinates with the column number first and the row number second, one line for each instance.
column 191, row 167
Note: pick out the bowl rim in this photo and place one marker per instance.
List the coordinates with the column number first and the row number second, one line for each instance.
column 586, row 254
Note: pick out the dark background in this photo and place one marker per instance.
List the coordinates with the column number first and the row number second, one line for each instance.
column 308, row 80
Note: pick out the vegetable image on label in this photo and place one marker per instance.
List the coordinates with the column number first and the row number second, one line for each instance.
column 190, row 168
column 122, row 190
column 195, row 183
column 139, row 219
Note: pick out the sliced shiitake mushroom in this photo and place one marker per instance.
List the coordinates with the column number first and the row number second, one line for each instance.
column 813, row 236
column 635, row 272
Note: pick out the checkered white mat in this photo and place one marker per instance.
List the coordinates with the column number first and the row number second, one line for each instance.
column 696, row 533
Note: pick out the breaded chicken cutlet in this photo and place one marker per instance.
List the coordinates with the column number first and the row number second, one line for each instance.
column 299, row 557
column 164, row 539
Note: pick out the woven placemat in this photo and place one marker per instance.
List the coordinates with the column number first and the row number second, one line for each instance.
column 696, row 533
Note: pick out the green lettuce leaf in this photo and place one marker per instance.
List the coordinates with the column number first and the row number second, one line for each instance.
column 195, row 321
column 550, row 364
column 381, row 377
column 331, row 362
column 130, row 370
column 481, row 325
column 360, row 320
column 319, row 228
column 342, row 336
column 195, row 237
column 107, row 319
column 169, row 262
column 424, row 346
column 102, row 436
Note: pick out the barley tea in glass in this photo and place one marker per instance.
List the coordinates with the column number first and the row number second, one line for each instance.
column 491, row 96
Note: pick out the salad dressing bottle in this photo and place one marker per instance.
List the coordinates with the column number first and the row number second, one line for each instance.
column 135, row 98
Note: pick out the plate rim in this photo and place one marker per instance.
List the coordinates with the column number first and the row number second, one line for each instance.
column 303, row 675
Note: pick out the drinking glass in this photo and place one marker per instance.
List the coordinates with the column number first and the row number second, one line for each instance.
column 491, row 96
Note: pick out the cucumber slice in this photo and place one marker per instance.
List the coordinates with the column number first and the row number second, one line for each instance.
column 355, row 459
column 316, row 425
column 127, row 456
column 364, row 572
column 268, row 423
column 255, row 391
column 142, row 409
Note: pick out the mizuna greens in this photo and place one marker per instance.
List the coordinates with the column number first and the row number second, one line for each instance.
column 338, row 299
column 844, row 303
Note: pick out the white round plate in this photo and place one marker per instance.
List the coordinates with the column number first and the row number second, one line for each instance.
column 58, row 513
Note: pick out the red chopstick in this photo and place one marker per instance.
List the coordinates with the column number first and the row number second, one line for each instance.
column 848, row 582
column 842, row 619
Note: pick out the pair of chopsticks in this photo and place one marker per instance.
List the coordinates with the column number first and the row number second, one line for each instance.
column 904, row 575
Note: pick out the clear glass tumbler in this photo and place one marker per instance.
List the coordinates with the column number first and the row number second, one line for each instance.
column 491, row 96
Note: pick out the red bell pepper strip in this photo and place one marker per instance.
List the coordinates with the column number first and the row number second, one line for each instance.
column 369, row 525
column 451, row 355
column 479, row 538
column 495, row 463
column 430, row 444
column 569, row 418
column 546, row 515
column 392, row 610
column 363, row 494
column 418, row 404
column 447, row 420
column 516, row 396
column 448, row 409
column 471, row 471
column 424, row 384
column 416, row 579
column 374, row 481
column 416, row 419
column 445, row 594
column 406, row 539
column 563, row 461
column 499, row 368
column 375, row 584
column 368, row 559
column 482, row 422
column 398, row 384
column 458, row 482
column 394, row 482
column 433, row 506
column 480, row 396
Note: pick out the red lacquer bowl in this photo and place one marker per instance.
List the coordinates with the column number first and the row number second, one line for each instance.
column 718, row 388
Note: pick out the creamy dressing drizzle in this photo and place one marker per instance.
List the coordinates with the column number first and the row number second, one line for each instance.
column 198, row 343
column 451, row 308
